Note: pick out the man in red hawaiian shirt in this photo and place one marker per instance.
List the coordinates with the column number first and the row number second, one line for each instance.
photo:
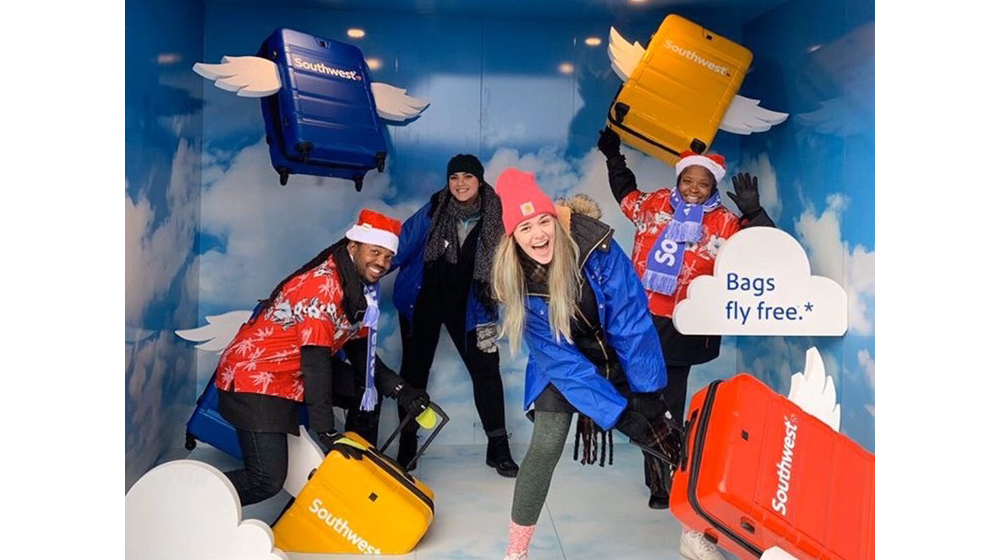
column 284, row 355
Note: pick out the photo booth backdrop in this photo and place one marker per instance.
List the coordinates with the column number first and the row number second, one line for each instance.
column 210, row 229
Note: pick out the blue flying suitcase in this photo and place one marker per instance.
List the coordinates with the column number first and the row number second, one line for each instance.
column 323, row 120
column 208, row 425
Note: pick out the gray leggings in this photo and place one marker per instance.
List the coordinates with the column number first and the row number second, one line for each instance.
column 547, row 440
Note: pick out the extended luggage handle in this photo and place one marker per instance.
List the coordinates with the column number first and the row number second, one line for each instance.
column 409, row 416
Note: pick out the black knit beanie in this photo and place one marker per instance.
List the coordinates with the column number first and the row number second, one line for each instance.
column 466, row 163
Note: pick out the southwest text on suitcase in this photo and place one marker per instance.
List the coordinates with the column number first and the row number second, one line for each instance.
column 340, row 527
column 779, row 503
column 324, row 69
column 690, row 54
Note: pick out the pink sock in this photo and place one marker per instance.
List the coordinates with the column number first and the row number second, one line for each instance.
column 520, row 537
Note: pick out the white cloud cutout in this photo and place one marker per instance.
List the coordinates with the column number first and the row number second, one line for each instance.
column 188, row 509
column 851, row 267
column 156, row 251
column 761, row 285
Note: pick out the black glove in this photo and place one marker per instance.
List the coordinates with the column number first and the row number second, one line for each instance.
column 609, row 143
column 335, row 441
column 747, row 198
column 649, row 405
column 412, row 399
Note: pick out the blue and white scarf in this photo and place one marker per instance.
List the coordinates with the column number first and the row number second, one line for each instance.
column 663, row 265
column 370, row 398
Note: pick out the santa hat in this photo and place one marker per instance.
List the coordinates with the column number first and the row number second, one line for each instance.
column 715, row 163
column 375, row 229
column 521, row 198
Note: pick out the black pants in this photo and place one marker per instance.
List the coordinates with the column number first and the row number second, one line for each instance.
column 265, row 465
column 420, row 340
column 675, row 395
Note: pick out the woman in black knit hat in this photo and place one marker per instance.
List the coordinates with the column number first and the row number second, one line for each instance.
column 445, row 259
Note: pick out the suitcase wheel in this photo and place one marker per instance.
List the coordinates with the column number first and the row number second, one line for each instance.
column 698, row 146
column 358, row 183
column 304, row 148
column 282, row 176
column 380, row 161
column 189, row 442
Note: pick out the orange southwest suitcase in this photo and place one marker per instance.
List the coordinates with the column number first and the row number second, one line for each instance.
column 367, row 506
column 677, row 95
column 759, row 472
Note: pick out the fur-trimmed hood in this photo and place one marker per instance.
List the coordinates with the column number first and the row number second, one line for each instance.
column 580, row 216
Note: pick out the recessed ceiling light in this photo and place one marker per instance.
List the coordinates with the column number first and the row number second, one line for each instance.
column 355, row 33
column 374, row 63
column 566, row 68
column 168, row 58
column 592, row 41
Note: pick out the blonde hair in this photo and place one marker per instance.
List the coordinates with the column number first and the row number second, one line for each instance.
column 510, row 287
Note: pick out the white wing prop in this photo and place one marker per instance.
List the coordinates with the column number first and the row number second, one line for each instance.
column 218, row 333
column 304, row 456
column 393, row 104
column 624, row 57
column 775, row 553
column 744, row 116
column 248, row 76
column 814, row 392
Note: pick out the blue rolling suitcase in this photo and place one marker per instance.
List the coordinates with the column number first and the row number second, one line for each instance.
column 323, row 120
column 208, row 425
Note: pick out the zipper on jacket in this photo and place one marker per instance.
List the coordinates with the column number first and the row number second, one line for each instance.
column 607, row 368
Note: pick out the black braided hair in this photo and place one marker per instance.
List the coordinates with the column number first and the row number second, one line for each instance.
column 315, row 261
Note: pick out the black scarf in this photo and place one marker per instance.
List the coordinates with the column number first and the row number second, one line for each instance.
column 443, row 239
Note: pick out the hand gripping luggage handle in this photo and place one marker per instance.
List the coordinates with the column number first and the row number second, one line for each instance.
column 444, row 420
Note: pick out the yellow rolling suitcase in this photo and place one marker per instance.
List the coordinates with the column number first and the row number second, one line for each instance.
column 679, row 92
column 367, row 506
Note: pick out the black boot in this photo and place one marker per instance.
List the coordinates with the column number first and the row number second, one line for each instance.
column 407, row 450
column 498, row 456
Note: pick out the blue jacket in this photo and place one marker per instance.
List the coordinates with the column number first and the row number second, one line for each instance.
column 628, row 328
column 410, row 260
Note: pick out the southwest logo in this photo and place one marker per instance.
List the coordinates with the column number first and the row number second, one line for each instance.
column 321, row 68
column 693, row 56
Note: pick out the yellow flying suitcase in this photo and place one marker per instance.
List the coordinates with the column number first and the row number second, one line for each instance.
column 677, row 95
column 367, row 506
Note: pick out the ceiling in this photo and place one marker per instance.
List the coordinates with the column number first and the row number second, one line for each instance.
column 736, row 10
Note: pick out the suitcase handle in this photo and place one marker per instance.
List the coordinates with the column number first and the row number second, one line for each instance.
column 688, row 432
column 444, row 420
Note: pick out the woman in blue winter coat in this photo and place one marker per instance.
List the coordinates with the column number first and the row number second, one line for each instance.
column 445, row 259
column 572, row 294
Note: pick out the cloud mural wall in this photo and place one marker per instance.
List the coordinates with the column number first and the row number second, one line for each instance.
column 162, row 203
column 819, row 58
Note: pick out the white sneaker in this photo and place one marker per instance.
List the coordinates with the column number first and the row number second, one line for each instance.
column 695, row 547
column 519, row 556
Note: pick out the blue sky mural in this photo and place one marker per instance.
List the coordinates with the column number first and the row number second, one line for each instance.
column 517, row 92
column 163, row 121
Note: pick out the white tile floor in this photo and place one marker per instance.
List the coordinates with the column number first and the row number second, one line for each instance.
column 591, row 512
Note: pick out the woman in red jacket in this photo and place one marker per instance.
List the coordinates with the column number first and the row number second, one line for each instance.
column 679, row 232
